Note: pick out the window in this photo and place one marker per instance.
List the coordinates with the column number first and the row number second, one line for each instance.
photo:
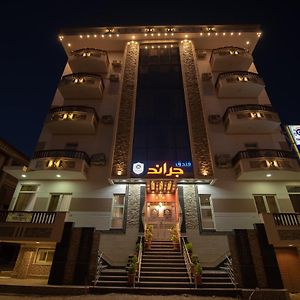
column 266, row 204
column 26, row 198
column 54, row 202
column 44, row 256
column 294, row 195
column 117, row 214
column 59, row 202
column 206, row 211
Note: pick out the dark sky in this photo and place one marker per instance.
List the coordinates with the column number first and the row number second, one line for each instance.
column 32, row 59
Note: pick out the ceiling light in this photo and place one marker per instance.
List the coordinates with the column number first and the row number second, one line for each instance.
column 24, row 176
column 58, row 175
column 269, row 175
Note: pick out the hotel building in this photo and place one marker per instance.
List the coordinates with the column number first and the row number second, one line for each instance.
column 160, row 125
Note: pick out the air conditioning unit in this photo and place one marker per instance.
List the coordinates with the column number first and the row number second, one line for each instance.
column 107, row 119
column 116, row 63
column 206, row 76
column 114, row 77
column 214, row 119
column 201, row 54
column 223, row 161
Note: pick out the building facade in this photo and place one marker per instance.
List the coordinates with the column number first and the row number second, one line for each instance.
column 162, row 125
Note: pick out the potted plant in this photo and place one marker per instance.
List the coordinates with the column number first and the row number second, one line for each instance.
column 189, row 248
column 148, row 236
column 194, row 260
column 131, row 271
column 198, row 274
column 174, row 236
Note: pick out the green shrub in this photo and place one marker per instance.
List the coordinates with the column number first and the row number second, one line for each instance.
column 189, row 247
column 194, row 259
column 198, row 269
column 132, row 268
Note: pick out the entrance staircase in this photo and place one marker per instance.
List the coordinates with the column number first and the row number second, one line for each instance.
column 163, row 271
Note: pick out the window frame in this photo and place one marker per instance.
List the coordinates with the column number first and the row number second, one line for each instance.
column 44, row 262
column 206, row 207
column 266, row 203
column 113, row 206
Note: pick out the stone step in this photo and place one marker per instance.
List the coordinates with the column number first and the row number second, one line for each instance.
column 162, row 260
column 167, row 284
column 163, row 264
column 162, row 252
column 114, row 278
column 113, row 283
column 162, row 269
column 201, row 291
column 163, row 273
column 163, row 255
column 162, row 278
column 109, row 272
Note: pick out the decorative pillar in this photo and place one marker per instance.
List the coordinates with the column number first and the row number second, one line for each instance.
column 198, row 137
column 125, row 123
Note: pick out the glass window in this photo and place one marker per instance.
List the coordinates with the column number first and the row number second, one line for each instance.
column 26, row 198
column 266, row 204
column 117, row 213
column 161, row 128
column 53, row 202
column 206, row 212
column 44, row 256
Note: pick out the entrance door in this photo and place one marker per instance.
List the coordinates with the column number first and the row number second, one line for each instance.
column 162, row 213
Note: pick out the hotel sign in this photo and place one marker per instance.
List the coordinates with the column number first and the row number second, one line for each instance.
column 162, row 169
column 23, row 217
column 294, row 135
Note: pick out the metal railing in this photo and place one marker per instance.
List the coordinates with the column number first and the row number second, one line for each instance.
column 62, row 153
column 227, row 50
column 247, row 107
column 34, row 217
column 98, row 268
column 256, row 153
column 73, row 108
column 254, row 77
column 91, row 52
column 229, row 270
column 89, row 78
column 140, row 257
column 187, row 259
column 287, row 219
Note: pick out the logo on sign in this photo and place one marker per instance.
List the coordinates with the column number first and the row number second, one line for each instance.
column 138, row 168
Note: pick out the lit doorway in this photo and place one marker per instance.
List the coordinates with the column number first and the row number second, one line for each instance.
column 162, row 212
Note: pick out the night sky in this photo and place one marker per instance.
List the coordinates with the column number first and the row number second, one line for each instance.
column 32, row 59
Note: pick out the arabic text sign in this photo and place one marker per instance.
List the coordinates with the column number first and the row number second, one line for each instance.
column 24, row 217
column 162, row 169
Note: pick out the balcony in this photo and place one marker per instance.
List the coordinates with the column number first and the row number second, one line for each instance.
column 89, row 60
column 72, row 120
column 227, row 59
column 266, row 164
column 239, row 84
column 81, row 86
column 250, row 119
column 20, row 226
column 283, row 229
column 53, row 165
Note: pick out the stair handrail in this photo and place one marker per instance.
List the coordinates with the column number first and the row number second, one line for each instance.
column 99, row 267
column 229, row 269
column 187, row 259
column 140, row 257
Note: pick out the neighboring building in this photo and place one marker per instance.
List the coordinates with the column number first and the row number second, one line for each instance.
column 166, row 126
column 9, row 157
